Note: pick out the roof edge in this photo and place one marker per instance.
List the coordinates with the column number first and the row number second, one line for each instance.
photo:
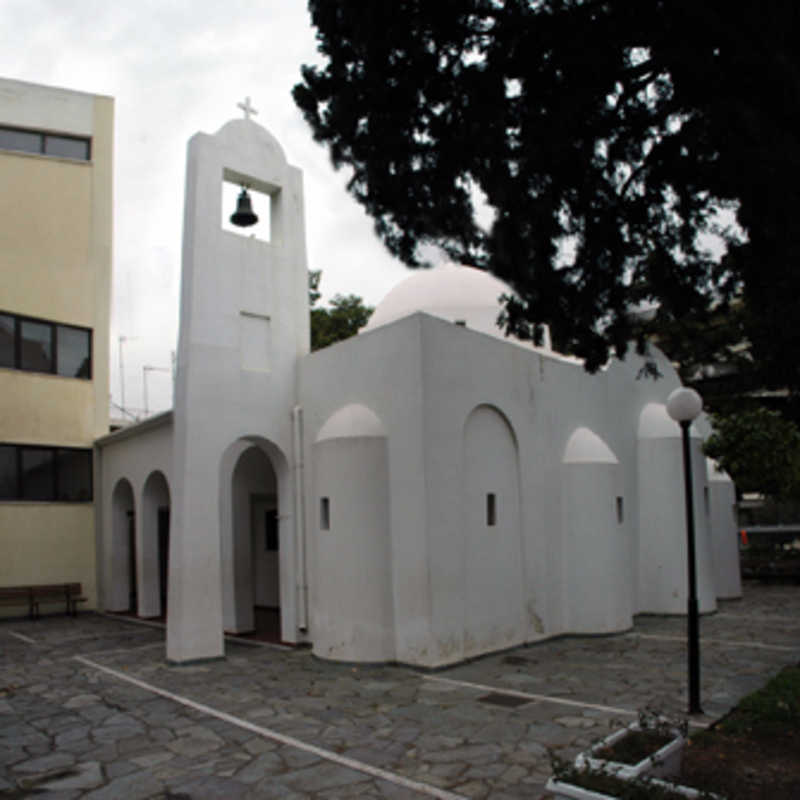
column 151, row 423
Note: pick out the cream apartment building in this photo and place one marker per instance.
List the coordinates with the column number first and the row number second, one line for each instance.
column 55, row 273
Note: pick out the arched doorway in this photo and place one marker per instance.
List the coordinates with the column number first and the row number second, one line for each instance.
column 251, row 546
column 154, row 546
column 123, row 549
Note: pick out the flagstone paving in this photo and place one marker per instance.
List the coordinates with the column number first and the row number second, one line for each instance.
column 73, row 725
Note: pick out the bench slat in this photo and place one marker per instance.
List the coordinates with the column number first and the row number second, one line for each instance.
column 18, row 596
column 70, row 593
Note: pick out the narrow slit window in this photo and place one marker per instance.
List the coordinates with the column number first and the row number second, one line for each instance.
column 620, row 510
column 491, row 509
column 324, row 513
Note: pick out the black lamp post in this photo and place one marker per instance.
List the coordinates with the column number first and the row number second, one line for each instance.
column 683, row 405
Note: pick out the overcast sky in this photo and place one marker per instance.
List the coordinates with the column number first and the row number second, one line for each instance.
column 175, row 67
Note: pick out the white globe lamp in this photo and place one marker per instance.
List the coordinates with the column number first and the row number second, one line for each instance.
column 684, row 404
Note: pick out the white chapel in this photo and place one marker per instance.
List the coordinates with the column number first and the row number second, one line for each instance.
column 422, row 493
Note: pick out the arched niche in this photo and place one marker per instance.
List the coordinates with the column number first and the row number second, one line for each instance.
column 662, row 539
column 493, row 591
column 597, row 550
column 349, row 524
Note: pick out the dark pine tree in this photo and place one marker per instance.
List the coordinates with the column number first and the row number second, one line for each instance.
column 606, row 135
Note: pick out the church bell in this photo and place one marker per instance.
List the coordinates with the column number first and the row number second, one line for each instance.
column 243, row 216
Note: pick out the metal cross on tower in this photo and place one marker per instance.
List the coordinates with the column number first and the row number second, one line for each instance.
column 247, row 108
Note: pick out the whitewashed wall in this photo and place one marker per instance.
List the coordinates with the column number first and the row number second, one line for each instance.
column 352, row 618
column 724, row 533
column 133, row 455
column 663, row 559
column 572, row 566
column 243, row 328
column 597, row 552
column 411, row 569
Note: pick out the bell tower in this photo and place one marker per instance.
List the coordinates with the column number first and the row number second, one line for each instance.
column 243, row 326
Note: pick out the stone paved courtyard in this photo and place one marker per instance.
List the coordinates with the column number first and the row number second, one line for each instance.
column 89, row 708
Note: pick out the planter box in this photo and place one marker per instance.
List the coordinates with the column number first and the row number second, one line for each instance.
column 664, row 762
column 568, row 791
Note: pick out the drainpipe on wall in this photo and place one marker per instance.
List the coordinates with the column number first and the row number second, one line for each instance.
column 300, row 519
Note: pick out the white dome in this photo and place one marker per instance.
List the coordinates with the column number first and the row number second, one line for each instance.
column 454, row 293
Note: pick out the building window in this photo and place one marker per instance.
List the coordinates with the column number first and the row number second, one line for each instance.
column 37, row 345
column 47, row 144
column 9, row 477
column 37, row 475
column 73, row 351
column 491, row 509
column 23, row 141
column 7, row 340
column 73, row 475
column 324, row 513
column 620, row 510
column 51, row 474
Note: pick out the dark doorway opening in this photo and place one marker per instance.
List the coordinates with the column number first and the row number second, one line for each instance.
column 132, row 598
column 163, row 557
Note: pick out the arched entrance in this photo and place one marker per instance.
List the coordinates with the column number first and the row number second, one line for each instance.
column 123, row 549
column 154, row 546
column 251, row 545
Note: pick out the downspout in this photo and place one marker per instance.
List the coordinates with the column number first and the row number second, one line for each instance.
column 300, row 519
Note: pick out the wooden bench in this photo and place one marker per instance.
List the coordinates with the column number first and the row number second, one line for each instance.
column 70, row 593
column 17, row 596
column 31, row 596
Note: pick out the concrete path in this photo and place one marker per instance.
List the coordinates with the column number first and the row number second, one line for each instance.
column 89, row 708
